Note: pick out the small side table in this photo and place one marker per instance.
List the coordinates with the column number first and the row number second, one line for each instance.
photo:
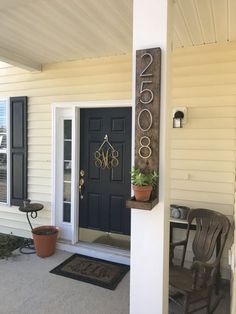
column 32, row 210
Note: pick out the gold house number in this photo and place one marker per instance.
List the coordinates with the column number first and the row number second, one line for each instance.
column 145, row 150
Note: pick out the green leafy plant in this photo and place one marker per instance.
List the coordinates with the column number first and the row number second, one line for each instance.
column 140, row 178
column 9, row 243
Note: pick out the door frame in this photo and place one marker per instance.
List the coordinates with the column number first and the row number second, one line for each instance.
column 71, row 110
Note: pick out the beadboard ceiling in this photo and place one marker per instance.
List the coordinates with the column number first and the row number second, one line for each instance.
column 199, row 22
column 35, row 32
column 45, row 31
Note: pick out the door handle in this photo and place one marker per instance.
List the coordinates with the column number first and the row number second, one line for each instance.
column 81, row 184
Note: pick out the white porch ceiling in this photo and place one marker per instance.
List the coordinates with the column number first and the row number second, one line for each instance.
column 198, row 22
column 35, row 32
column 45, row 31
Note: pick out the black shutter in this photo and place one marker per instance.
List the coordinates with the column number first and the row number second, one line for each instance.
column 18, row 149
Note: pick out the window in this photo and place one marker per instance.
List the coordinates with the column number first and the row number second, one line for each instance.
column 67, row 171
column 18, row 150
column 13, row 150
column 3, row 151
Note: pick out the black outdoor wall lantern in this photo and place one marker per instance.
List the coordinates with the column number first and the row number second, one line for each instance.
column 179, row 117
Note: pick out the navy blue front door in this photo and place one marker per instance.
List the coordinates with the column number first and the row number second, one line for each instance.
column 106, row 186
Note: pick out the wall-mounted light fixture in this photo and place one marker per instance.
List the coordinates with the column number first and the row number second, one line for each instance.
column 179, row 117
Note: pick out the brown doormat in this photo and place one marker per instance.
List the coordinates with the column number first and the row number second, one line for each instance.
column 92, row 270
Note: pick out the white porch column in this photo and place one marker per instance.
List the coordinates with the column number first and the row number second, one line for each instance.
column 150, row 230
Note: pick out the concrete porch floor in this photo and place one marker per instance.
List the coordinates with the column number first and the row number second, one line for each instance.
column 28, row 287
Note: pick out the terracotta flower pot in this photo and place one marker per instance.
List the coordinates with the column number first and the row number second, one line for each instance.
column 142, row 193
column 45, row 238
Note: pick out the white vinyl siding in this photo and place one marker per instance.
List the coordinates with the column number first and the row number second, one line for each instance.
column 203, row 152
column 106, row 78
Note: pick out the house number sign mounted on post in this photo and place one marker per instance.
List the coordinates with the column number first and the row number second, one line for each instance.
column 147, row 109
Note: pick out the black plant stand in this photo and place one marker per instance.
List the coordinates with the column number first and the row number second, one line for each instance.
column 32, row 210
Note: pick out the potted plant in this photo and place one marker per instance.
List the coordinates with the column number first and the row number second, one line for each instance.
column 143, row 183
column 45, row 238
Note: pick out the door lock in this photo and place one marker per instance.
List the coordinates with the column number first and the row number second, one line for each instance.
column 81, row 184
column 82, row 173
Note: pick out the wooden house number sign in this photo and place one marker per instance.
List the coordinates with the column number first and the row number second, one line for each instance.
column 147, row 109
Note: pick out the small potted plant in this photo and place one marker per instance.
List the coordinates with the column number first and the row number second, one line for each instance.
column 45, row 238
column 143, row 183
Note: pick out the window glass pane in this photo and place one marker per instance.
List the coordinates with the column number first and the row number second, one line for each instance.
column 3, row 117
column 66, row 212
column 67, row 171
column 67, row 129
column 3, row 141
column 67, row 192
column 3, row 152
column 3, row 129
column 3, row 178
column 67, row 150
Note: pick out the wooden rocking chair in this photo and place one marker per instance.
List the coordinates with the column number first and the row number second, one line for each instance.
column 195, row 285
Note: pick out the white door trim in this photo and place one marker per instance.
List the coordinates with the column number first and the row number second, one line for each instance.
column 71, row 109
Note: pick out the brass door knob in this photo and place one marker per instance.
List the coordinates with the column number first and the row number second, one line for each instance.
column 81, row 183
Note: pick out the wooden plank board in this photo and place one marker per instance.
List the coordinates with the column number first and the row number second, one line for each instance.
column 204, row 176
column 207, row 79
column 210, row 155
column 147, row 109
column 210, row 134
column 202, row 186
column 202, row 144
column 132, row 203
column 191, row 19
column 232, row 20
column 184, row 35
column 211, row 123
column 208, row 165
column 196, row 91
column 220, row 198
column 147, row 125
column 202, row 101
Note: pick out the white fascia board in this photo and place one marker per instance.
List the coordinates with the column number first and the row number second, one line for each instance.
column 19, row 61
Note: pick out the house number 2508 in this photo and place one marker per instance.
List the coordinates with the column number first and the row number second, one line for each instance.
column 146, row 97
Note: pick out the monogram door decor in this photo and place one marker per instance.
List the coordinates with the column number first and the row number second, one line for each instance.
column 106, row 157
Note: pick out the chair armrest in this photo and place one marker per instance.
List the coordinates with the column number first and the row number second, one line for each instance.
column 179, row 243
column 173, row 246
